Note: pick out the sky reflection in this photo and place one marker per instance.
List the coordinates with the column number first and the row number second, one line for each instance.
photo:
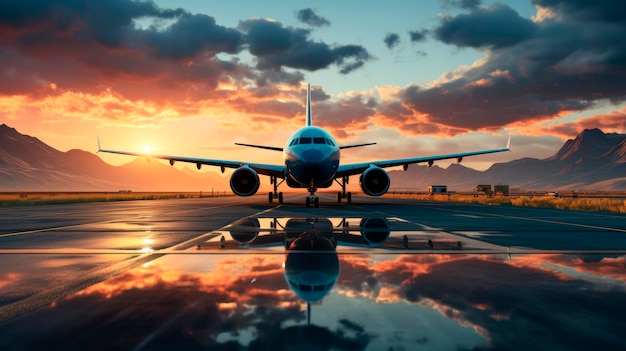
column 434, row 301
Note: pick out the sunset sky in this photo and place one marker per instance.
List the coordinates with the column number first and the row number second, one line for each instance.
column 193, row 77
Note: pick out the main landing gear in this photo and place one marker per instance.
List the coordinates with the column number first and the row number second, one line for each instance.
column 275, row 194
column 343, row 194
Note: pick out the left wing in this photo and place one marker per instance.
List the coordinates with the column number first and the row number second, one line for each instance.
column 273, row 148
column 261, row 168
column 358, row 168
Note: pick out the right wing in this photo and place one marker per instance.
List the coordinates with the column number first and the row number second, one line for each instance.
column 357, row 145
column 261, row 168
column 358, row 168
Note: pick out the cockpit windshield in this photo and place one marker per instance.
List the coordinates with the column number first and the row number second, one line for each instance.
column 311, row 140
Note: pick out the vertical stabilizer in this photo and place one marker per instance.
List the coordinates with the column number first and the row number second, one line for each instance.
column 309, row 119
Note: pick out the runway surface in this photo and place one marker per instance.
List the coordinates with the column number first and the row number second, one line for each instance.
column 157, row 274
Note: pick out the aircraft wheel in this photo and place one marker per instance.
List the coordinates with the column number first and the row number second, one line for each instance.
column 280, row 198
column 308, row 202
column 271, row 197
column 349, row 196
column 317, row 202
column 338, row 197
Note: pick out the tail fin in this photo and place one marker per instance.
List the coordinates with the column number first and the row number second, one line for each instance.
column 309, row 119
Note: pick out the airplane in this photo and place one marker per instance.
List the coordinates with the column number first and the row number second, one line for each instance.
column 311, row 160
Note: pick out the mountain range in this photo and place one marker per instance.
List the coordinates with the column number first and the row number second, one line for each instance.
column 28, row 164
column 594, row 160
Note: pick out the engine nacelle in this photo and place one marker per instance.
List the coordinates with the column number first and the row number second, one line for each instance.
column 375, row 230
column 374, row 181
column 244, row 181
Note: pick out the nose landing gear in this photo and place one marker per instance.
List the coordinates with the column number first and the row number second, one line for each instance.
column 312, row 199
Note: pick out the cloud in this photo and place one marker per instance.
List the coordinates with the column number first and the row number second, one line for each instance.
column 192, row 35
column 462, row 4
column 484, row 293
column 276, row 46
column 496, row 27
column 418, row 35
column 392, row 40
column 308, row 16
column 137, row 49
column 611, row 122
column 196, row 310
column 531, row 71
column 346, row 116
column 586, row 11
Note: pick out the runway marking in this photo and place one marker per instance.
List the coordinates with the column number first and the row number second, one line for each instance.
column 92, row 277
column 41, row 230
column 466, row 215
column 538, row 220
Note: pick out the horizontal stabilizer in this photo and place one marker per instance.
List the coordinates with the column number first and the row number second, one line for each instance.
column 261, row 147
column 356, row 145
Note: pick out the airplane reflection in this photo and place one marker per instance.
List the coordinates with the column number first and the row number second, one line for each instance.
column 352, row 233
column 311, row 266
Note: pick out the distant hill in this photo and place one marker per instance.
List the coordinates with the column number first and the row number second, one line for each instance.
column 592, row 161
column 28, row 164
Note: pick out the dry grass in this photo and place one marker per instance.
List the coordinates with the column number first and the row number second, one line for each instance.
column 575, row 204
column 44, row 198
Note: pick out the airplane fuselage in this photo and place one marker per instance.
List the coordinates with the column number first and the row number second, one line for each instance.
column 311, row 157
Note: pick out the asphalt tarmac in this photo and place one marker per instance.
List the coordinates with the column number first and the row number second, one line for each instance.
column 51, row 255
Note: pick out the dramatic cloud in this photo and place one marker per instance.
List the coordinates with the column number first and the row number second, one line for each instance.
column 532, row 71
column 191, row 35
column 160, row 56
column 484, row 293
column 276, row 46
column 309, row 17
column 497, row 26
column 197, row 310
column 392, row 40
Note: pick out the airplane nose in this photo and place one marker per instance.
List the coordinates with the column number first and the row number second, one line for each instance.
column 312, row 156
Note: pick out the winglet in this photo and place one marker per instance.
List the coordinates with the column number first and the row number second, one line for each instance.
column 508, row 143
column 309, row 119
column 99, row 149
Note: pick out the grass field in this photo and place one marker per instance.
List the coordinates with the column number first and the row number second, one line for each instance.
column 604, row 204
column 581, row 203
column 50, row 198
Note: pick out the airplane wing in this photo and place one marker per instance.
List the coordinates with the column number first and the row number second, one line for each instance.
column 261, row 168
column 273, row 148
column 357, row 145
column 358, row 168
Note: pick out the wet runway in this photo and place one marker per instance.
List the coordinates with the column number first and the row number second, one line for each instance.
column 237, row 273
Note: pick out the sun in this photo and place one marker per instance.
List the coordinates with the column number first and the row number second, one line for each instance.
column 147, row 149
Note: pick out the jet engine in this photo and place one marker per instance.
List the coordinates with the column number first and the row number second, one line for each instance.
column 245, row 230
column 374, row 181
column 244, row 181
column 375, row 230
